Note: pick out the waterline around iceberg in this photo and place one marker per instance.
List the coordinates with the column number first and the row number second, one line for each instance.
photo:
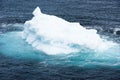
column 54, row 41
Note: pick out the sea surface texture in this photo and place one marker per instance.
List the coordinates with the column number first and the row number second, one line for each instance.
column 59, row 40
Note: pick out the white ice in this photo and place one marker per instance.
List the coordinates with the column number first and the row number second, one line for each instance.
column 54, row 35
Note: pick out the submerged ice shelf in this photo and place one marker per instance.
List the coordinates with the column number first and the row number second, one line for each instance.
column 13, row 45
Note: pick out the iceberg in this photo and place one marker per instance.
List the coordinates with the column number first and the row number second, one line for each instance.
column 54, row 35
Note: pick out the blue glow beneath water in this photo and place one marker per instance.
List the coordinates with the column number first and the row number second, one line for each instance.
column 12, row 45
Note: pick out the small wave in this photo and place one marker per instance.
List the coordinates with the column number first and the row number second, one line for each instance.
column 10, row 27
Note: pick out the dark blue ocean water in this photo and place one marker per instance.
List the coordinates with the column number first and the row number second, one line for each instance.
column 16, row 60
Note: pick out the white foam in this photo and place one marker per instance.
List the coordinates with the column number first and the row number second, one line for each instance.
column 54, row 35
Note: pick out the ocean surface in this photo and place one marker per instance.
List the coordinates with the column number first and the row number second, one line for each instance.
column 21, row 61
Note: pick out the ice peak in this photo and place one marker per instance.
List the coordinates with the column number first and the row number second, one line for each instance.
column 37, row 11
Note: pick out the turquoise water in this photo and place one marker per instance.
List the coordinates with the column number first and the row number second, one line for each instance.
column 14, row 46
